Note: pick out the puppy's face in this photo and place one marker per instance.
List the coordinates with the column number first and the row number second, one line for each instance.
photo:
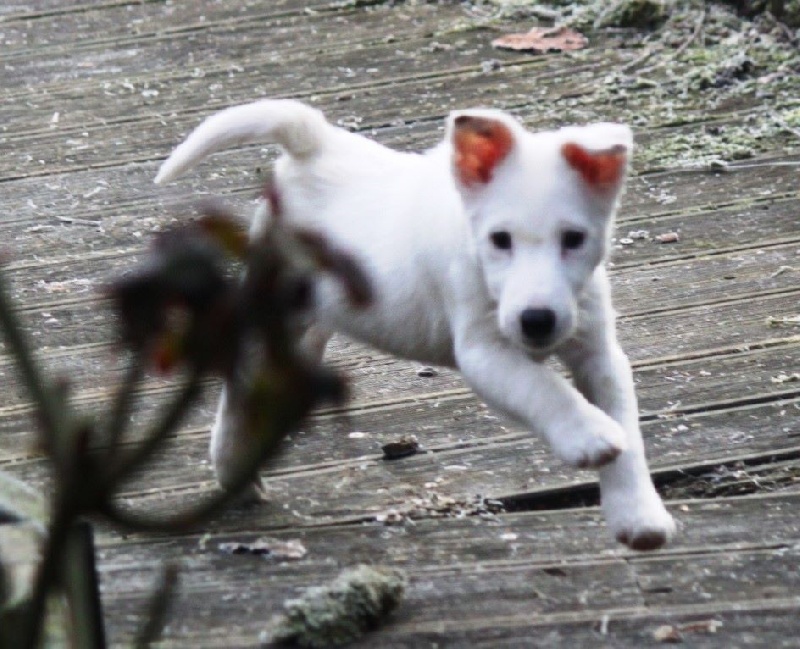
column 541, row 206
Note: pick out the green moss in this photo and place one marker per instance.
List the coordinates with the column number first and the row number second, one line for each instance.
column 791, row 13
column 341, row 612
column 712, row 86
column 641, row 14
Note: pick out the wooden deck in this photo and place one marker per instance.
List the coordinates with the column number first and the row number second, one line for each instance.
column 94, row 96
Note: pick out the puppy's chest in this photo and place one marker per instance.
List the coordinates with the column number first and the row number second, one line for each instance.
column 409, row 325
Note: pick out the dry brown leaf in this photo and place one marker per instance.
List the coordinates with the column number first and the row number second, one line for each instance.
column 543, row 39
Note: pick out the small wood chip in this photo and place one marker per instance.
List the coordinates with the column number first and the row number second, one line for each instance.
column 702, row 626
column 667, row 237
column 73, row 221
column 403, row 447
column 783, row 269
column 783, row 377
column 674, row 633
column 786, row 321
column 667, row 634
column 543, row 39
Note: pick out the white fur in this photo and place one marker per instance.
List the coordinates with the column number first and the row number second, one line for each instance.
column 446, row 295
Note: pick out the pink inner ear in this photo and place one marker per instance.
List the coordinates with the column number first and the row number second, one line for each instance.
column 480, row 145
column 602, row 170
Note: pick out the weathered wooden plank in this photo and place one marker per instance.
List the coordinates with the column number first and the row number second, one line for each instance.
column 522, row 91
column 326, row 476
column 51, row 273
column 517, row 579
column 756, row 623
column 692, row 332
column 38, row 26
column 368, row 487
column 684, row 330
column 85, row 145
column 153, row 128
column 43, row 272
column 227, row 42
column 694, row 292
column 758, row 222
column 548, row 563
column 254, row 52
column 752, row 624
column 114, row 196
column 535, row 538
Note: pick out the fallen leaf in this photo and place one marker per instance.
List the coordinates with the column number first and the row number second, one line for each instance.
column 543, row 39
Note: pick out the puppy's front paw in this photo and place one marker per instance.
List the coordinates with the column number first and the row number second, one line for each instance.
column 589, row 441
column 641, row 523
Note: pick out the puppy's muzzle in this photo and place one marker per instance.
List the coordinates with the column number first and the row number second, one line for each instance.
column 538, row 326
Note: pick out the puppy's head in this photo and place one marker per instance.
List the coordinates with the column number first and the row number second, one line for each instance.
column 541, row 207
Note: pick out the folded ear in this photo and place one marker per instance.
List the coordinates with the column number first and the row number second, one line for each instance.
column 599, row 153
column 480, row 143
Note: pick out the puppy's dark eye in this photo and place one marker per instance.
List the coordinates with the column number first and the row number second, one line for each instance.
column 572, row 239
column 501, row 240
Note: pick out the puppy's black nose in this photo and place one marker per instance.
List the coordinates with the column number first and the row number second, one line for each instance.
column 538, row 324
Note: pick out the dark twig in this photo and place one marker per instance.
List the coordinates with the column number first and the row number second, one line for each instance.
column 120, row 409
column 81, row 585
column 50, row 408
column 126, row 465
column 47, row 573
column 158, row 608
column 181, row 309
column 189, row 519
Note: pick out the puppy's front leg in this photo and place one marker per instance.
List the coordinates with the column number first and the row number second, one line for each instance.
column 632, row 507
column 536, row 396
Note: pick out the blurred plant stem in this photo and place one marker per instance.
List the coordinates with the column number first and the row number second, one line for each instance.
column 180, row 309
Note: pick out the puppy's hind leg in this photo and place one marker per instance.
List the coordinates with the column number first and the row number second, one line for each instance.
column 314, row 342
column 231, row 444
column 231, row 439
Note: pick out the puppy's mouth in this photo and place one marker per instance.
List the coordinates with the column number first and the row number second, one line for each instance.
column 539, row 350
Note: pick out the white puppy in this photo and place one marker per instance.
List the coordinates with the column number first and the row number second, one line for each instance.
column 486, row 254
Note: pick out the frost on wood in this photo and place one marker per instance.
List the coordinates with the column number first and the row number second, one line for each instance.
column 341, row 612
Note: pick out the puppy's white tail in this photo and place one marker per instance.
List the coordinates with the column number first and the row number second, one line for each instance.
column 298, row 128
